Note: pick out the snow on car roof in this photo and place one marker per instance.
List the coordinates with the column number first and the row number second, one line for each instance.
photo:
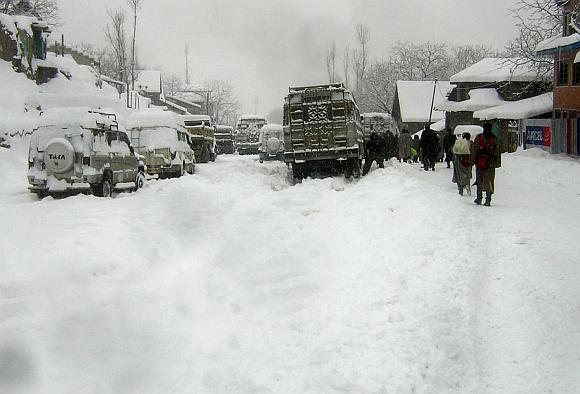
column 76, row 117
column 494, row 69
column 196, row 117
column 377, row 115
column 415, row 99
column 478, row 99
column 150, row 118
column 246, row 117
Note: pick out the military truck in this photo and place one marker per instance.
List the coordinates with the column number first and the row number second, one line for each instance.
column 376, row 122
column 202, row 136
column 248, row 134
column 224, row 138
column 322, row 131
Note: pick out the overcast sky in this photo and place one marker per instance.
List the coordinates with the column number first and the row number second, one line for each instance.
column 264, row 46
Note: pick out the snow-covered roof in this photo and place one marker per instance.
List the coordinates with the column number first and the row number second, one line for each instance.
column 415, row 99
column 193, row 118
column 493, row 69
column 174, row 106
column 553, row 44
column 478, row 99
column 149, row 81
column 149, row 118
column 439, row 125
column 184, row 101
column 522, row 109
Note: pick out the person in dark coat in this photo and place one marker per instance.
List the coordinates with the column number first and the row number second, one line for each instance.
column 448, row 142
column 429, row 148
column 389, row 144
column 486, row 156
column 375, row 151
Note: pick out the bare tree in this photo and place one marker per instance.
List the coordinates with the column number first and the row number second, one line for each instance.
column 464, row 56
column 187, row 81
column 346, row 66
column 135, row 5
column 363, row 36
column 379, row 87
column 42, row 9
column 223, row 104
column 117, row 40
column 172, row 84
column 331, row 63
column 537, row 20
column 420, row 62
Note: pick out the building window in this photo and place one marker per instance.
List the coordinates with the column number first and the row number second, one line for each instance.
column 562, row 73
column 576, row 74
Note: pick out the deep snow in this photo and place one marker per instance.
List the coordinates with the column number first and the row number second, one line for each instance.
column 232, row 280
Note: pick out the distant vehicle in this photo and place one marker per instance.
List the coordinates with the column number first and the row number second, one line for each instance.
column 80, row 149
column 248, row 134
column 161, row 137
column 271, row 142
column 322, row 131
column 375, row 122
column 224, row 138
column 202, row 135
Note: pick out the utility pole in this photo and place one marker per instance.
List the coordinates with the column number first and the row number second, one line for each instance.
column 432, row 101
column 186, row 64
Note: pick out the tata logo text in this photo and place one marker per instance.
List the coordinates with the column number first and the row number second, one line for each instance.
column 56, row 157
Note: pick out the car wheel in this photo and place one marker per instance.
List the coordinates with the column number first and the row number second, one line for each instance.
column 103, row 189
column 140, row 180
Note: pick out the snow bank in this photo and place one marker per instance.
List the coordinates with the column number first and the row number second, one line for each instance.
column 324, row 286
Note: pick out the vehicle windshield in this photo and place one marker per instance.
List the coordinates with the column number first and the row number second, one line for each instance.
column 160, row 137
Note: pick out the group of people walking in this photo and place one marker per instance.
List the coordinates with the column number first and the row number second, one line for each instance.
column 483, row 153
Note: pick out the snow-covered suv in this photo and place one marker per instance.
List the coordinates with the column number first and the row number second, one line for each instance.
column 162, row 139
column 76, row 148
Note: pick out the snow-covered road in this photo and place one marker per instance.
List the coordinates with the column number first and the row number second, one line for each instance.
column 232, row 280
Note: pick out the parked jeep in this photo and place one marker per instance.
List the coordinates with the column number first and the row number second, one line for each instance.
column 162, row 139
column 271, row 142
column 80, row 149
column 202, row 135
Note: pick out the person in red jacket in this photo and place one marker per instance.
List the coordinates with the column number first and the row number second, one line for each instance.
column 486, row 156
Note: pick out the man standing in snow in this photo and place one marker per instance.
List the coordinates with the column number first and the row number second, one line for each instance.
column 405, row 146
column 486, row 156
column 448, row 142
column 429, row 148
column 375, row 148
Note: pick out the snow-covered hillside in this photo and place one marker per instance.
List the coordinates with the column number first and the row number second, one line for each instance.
column 232, row 280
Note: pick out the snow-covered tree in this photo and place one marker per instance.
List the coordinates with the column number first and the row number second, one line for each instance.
column 360, row 56
column 135, row 5
column 172, row 84
column 223, row 103
column 537, row 20
column 42, row 9
column 331, row 63
column 117, row 42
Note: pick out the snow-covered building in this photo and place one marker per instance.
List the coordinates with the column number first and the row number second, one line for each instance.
column 565, row 49
column 23, row 42
column 148, row 84
column 490, row 83
column 412, row 106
